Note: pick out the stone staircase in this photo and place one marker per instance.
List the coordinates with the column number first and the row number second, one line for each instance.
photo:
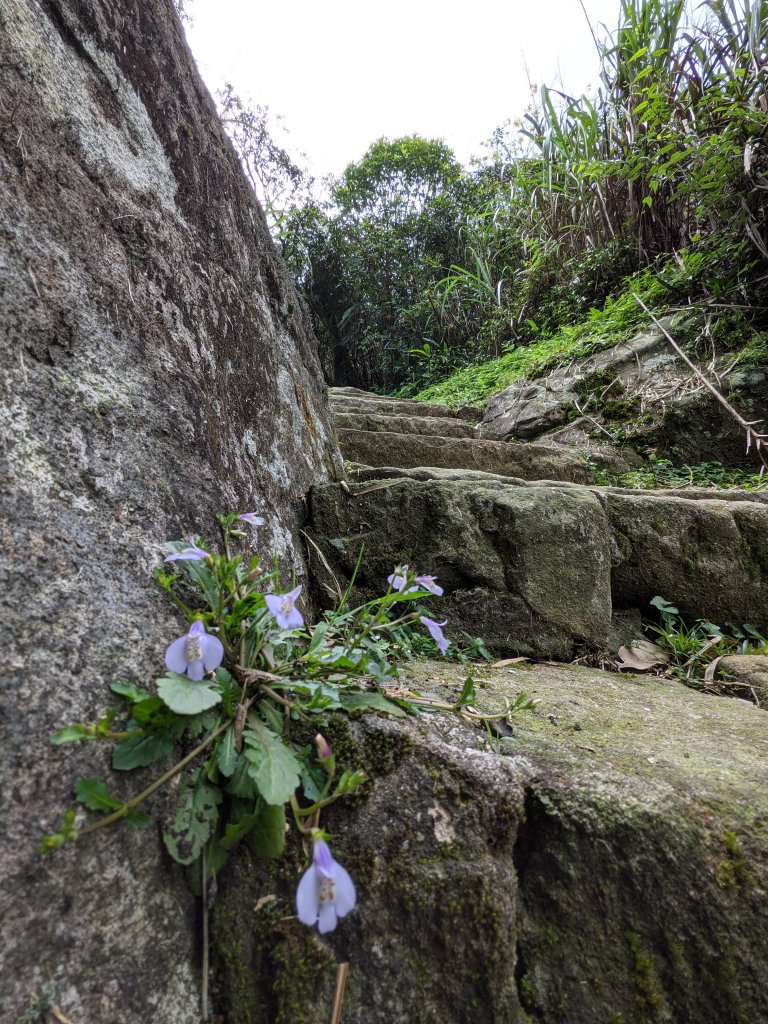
column 533, row 555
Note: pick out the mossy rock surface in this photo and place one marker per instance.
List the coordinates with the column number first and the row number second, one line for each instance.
column 609, row 864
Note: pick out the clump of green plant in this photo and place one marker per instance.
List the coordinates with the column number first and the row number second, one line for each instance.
column 695, row 649
column 662, row 473
column 246, row 687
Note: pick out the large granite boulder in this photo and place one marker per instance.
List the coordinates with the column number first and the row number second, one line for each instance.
column 156, row 370
column 609, row 864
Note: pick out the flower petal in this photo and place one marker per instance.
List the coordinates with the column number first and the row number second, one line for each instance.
column 195, row 670
column 176, row 656
column 308, row 897
column 327, row 919
column 346, row 896
column 294, row 619
column 213, row 651
column 193, row 553
column 436, row 632
column 252, row 519
column 322, row 859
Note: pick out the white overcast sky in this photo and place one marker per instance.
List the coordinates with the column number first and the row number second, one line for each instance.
column 343, row 73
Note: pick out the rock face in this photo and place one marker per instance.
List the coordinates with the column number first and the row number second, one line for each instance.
column 156, row 370
column 608, row 865
column 640, row 389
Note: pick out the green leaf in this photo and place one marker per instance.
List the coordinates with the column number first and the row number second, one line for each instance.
column 128, row 691
column 467, row 695
column 186, row 696
column 235, row 831
column 229, row 688
column 267, row 838
column 312, row 782
column 139, row 751
column 272, row 766
column 226, row 753
column 195, row 819
column 352, row 702
column 318, row 636
column 241, row 784
column 196, row 570
column 72, row 734
column 152, row 712
column 137, row 817
column 93, row 793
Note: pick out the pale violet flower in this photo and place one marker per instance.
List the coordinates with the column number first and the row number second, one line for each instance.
column 195, row 654
column 428, row 583
column 191, row 554
column 283, row 607
column 252, row 519
column 436, row 632
column 397, row 579
column 325, row 892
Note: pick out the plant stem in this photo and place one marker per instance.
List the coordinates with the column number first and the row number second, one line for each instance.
column 165, row 777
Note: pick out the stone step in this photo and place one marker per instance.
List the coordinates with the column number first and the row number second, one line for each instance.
column 528, row 461
column 440, row 426
column 538, row 569
column 366, row 402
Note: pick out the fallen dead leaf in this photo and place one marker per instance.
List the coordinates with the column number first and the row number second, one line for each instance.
column 642, row 656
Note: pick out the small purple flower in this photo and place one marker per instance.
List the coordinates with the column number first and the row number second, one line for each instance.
column 428, row 583
column 398, row 577
column 283, row 607
column 191, row 554
column 195, row 654
column 325, row 892
column 436, row 632
column 252, row 519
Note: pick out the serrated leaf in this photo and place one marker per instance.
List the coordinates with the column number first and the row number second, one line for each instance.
column 94, row 795
column 195, row 819
column 267, row 837
column 139, row 751
column 137, row 817
column 226, row 753
column 272, row 766
column 185, row 696
column 352, row 702
column 71, row 734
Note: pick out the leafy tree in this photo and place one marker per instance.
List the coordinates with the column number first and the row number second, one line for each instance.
column 371, row 259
